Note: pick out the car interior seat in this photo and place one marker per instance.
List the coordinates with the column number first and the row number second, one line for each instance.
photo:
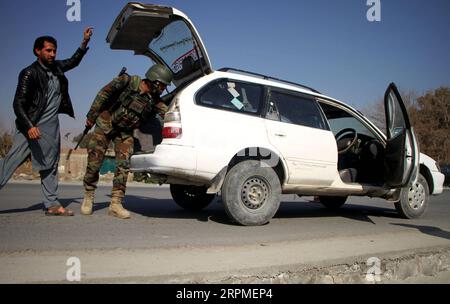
column 348, row 175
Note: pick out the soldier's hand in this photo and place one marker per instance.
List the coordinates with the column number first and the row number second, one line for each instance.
column 34, row 133
column 161, row 108
column 89, row 123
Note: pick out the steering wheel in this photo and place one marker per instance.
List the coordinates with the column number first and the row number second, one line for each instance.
column 346, row 139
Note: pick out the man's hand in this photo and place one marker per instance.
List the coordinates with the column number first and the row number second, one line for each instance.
column 87, row 34
column 34, row 133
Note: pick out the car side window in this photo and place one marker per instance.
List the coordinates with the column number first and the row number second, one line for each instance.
column 295, row 109
column 232, row 95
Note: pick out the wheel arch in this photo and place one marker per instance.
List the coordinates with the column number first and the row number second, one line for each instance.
column 426, row 173
column 269, row 157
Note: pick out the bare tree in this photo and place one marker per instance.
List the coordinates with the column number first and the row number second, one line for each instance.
column 6, row 140
column 376, row 112
column 431, row 119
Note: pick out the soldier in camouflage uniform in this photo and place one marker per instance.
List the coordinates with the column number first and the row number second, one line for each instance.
column 117, row 110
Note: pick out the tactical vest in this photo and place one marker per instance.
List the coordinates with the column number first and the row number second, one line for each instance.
column 131, row 107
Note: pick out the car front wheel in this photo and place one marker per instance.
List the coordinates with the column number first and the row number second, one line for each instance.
column 251, row 193
column 192, row 198
column 415, row 200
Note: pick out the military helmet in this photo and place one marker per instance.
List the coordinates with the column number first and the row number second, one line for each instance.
column 160, row 73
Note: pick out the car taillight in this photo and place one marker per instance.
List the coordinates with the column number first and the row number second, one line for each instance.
column 172, row 117
column 172, row 132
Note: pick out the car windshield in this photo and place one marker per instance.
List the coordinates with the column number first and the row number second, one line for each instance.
column 175, row 46
column 340, row 119
column 338, row 124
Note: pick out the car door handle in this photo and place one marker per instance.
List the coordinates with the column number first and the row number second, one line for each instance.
column 280, row 134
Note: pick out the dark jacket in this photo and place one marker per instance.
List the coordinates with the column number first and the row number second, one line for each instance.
column 30, row 99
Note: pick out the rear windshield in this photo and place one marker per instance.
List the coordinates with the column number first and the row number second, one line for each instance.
column 175, row 46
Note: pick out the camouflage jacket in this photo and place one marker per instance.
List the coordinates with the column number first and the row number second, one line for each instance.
column 121, row 106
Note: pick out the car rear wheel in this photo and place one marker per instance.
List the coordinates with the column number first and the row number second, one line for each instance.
column 192, row 198
column 415, row 200
column 333, row 202
column 251, row 193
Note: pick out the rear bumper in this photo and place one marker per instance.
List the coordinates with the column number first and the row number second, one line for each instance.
column 171, row 160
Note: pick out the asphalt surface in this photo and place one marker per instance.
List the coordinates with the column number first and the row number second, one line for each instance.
column 158, row 222
column 160, row 226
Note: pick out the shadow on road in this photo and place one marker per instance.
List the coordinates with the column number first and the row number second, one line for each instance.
column 430, row 230
column 40, row 206
column 353, row 212
column 167, row 208
column 35, row 207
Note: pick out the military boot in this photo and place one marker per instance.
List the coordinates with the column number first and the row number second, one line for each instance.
column 116, row 209
column 88, row 202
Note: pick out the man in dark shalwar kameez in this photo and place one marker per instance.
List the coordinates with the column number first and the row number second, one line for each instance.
column 42, row 93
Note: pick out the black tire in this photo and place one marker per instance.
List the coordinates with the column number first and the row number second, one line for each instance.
column 333, row 202
column 415, row 200
column 251, row 193
column 192, row 198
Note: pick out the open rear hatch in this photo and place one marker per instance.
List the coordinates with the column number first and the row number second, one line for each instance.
column 164, row 34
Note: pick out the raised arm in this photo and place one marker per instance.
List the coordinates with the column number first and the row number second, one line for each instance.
column 76, row 58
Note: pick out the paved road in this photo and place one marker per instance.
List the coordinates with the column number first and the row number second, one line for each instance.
column 159, row 224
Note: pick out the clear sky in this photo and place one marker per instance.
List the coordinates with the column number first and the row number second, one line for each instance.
column 326, row 44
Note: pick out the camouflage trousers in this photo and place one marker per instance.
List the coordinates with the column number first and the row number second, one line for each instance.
column 97, row 147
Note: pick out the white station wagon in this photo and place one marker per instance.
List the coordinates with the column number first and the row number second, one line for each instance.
column 252, row 137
